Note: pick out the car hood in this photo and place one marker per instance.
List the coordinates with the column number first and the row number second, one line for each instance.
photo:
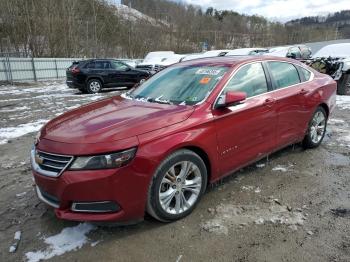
column 113, row 119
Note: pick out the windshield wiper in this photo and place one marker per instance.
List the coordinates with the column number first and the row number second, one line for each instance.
column 152, row 100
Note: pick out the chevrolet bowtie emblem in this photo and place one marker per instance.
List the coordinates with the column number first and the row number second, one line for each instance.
column 38, row 159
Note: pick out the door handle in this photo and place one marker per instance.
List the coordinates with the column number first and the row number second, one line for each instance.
column 303, row 91
column 269, row 102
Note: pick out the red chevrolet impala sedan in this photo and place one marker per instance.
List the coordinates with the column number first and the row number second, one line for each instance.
column 156, row 148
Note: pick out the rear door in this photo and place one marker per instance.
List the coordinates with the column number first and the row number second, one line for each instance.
column 99, row 68
column 246, row 131
column 290, row 103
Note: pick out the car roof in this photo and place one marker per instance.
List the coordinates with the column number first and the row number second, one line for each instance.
column 231, row 61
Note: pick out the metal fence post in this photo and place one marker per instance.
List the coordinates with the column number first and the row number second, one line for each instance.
column 56, row 68
column 5, row 70
column 9, row 69
column 34, row 72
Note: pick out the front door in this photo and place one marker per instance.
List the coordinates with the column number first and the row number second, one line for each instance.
column 246, row 132
column 121, row 75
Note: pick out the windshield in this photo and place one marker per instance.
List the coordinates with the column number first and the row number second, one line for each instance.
column 185, row 85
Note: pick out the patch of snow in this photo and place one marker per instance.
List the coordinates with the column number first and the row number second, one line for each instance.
column 21, row 194
column 95, row 243
column 343, row 102
column 247, row 188
column 72, row 107
column 233, row 215
column 260, row 165
column 18, row 235
column 335, row 121
column 281, row 168
column 7, row 133
column 17, row 238
column 259, row 221
column 94, row 98
column 257, row 190
column 251, row 188
column 133, row 15
column 215, row 226
column 15, row 109
column 12, row 249
column 179, row 258
column 70, row 238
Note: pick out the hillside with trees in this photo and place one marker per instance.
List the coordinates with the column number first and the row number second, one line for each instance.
column 339, row 21
column 99, row 28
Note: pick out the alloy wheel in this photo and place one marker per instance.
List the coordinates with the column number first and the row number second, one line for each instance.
column 180, row 187
column 317, row 127
column 95, row 86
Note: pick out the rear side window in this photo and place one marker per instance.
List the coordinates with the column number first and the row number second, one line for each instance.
column 98, row 65
column 249, row 79
column 284, row 74
column 306, row 73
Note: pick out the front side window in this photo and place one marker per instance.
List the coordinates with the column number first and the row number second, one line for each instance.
column 249, row 79
column 284, row 74
column 186, row 85
column 119, row 66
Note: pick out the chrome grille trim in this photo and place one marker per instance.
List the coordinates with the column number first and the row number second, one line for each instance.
column 54, row 169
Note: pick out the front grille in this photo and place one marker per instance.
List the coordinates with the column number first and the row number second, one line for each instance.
column 52, row 164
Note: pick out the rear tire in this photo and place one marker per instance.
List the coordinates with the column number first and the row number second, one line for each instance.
column 93, row 86
column 177, row 186
column 316, row 129
column 344, row 85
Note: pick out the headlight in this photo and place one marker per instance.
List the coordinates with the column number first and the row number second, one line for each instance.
column 37, row 137
column 113, row 160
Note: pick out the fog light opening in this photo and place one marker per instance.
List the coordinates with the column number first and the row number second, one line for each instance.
column 95, row 207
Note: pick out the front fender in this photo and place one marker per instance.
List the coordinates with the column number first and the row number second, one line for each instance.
column 161, row 143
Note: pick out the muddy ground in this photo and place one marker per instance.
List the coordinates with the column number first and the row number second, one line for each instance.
column 294, row 206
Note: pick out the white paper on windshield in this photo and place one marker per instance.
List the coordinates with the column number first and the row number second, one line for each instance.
column 208, row 71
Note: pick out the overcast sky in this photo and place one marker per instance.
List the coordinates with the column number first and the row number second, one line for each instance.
column 281, row 10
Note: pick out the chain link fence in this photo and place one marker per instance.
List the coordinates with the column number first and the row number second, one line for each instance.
column 14, row 67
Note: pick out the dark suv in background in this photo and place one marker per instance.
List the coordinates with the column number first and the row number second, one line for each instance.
column 90, row 76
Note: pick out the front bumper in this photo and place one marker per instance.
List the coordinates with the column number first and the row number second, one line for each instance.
column 127, row 187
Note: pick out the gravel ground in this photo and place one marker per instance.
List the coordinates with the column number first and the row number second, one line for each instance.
column 294, row 206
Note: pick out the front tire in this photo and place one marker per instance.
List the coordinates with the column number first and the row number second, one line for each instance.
column 177, row 186
column 93, row 86
column 344, row 85
column 316, row 129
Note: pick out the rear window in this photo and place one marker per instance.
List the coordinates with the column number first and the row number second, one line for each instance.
column 284, row 74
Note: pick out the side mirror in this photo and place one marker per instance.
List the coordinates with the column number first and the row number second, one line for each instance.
column 231, row 98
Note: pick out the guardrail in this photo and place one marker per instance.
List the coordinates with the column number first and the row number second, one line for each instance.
column 20, row 69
